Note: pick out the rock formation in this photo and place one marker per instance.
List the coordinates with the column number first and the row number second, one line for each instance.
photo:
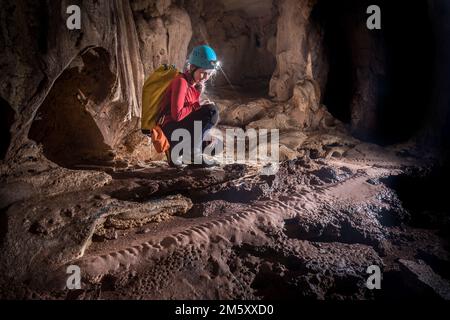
column 364, row 126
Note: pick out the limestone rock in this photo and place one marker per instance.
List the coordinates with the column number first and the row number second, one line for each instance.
column 154, row 210
column 26, row 82
column 48, row 233
column 164, row 38
column 293, row 139
column 241, row 115
column 290, row 47
column 424, row 278
column 152, row 8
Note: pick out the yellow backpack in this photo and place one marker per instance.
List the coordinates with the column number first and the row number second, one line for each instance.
column 152, row 94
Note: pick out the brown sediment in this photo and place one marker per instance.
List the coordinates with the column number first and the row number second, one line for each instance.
column 363, row 153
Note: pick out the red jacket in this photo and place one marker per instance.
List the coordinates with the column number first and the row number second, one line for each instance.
column 182, row 98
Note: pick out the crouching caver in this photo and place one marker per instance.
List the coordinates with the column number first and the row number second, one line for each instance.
column 181, row 107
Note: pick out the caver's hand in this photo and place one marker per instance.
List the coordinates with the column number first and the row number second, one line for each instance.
column 204, row 100
column 207, row 101
column 200, row 87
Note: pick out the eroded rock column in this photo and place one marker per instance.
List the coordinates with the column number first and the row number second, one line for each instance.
column 164, row 31
column 39, row 47
column 291, row 47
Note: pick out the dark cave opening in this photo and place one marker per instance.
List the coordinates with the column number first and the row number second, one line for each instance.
column 338, row 90
column 401, row 90
column 7, row 115
column 65, row 124
column 410, row 63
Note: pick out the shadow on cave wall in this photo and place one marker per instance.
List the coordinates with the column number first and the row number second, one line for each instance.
column 338, row 90
column 7, row 118
column 403, row 92
column 410, row 63
column 65, row 124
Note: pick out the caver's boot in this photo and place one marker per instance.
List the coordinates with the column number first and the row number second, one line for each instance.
column 204, row 164
column 193, row 157
column 178, row 163
column 209, row 161
column 200, row 160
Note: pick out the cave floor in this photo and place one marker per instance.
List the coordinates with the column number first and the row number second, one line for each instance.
column 153, row 232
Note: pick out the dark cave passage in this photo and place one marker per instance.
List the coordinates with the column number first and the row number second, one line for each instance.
column 7, row 118
column 410, row 61
column 333, row 200
column 66, row 121
column 379, row 81
column 338, row 90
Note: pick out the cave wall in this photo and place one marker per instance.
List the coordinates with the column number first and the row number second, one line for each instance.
column 7, row 116
column 437, row 132
column 292, row 50
column 164, row 30
column 380, row 82
column 283, row 43
column 367, row 54
column 354, row 83
column 138, row 36
column 77, row 122
column 243, row 34
column 39, row 47
column 168, row 30
column 410, row 75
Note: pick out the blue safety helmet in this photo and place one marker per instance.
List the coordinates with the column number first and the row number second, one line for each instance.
column 203, row 57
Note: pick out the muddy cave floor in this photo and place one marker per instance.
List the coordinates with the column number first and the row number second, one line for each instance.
column 311, row 230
